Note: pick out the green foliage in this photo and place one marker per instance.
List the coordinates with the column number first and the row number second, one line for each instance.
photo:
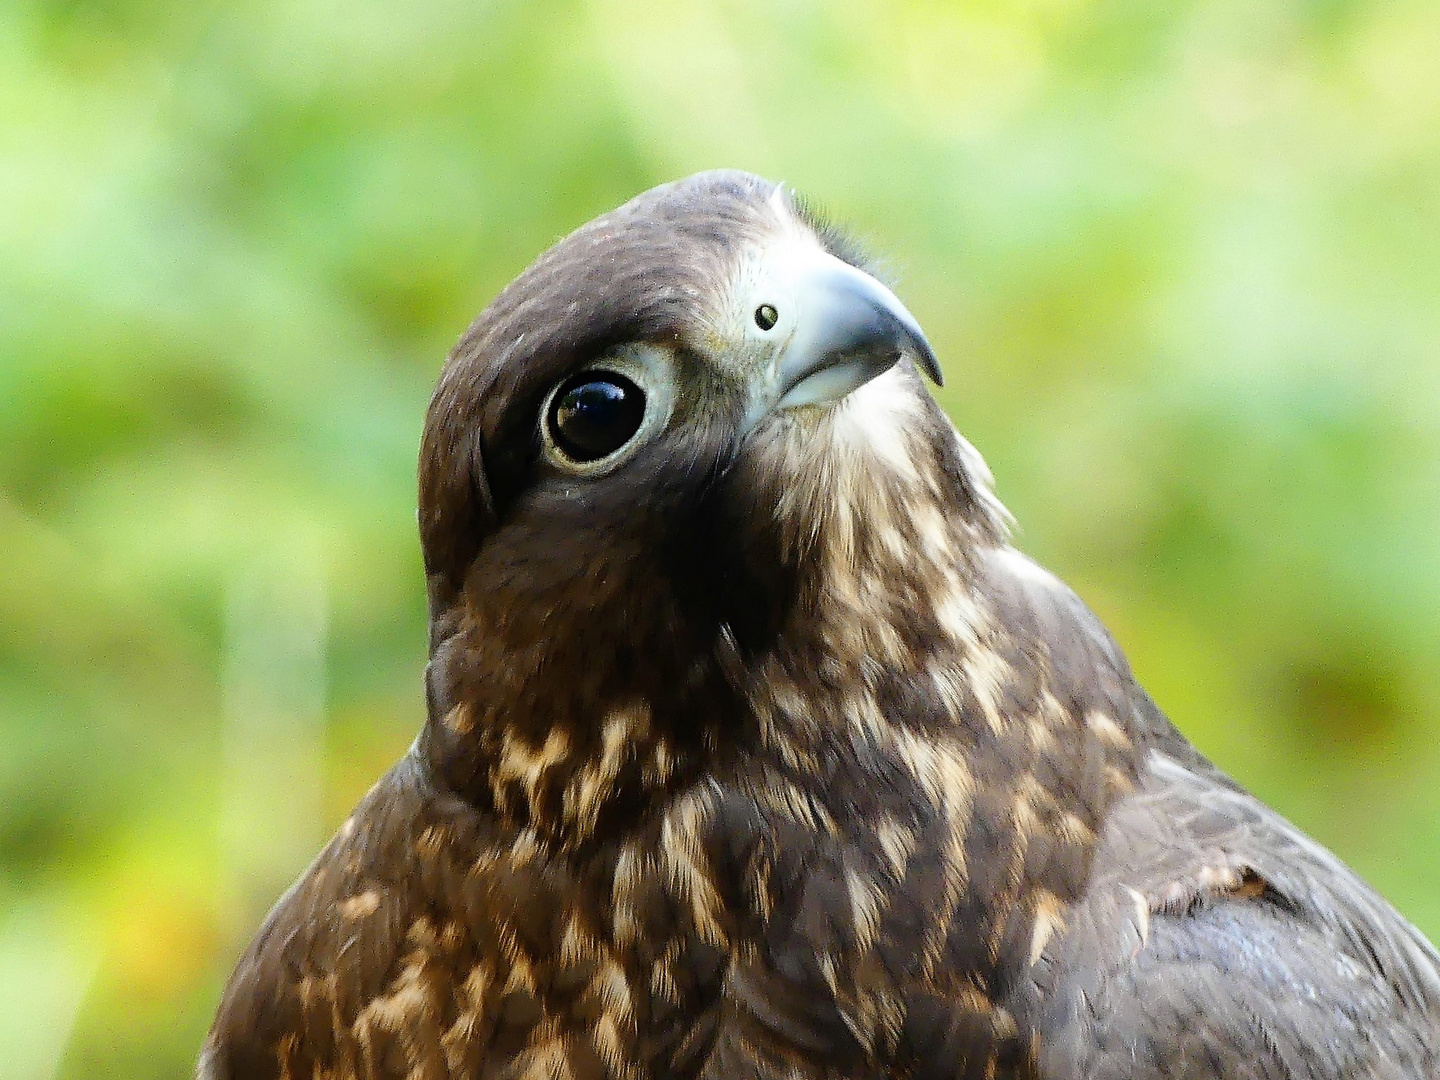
column 1180, row 261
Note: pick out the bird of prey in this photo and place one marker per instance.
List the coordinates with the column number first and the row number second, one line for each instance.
column 755, row 750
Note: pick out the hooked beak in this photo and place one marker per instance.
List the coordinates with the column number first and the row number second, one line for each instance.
column 848, row 329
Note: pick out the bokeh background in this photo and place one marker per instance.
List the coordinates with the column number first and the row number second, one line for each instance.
column 1182, row 261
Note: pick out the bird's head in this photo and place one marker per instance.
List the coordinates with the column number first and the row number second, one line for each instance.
column 643, row 461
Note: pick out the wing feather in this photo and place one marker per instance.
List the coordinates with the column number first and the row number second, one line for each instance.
column 1213, row 938
column 1213, row 931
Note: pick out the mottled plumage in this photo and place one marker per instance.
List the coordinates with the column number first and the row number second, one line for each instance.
column 757, row 751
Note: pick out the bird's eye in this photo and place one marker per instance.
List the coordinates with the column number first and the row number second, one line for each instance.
column 594, row 414
column 766, row 316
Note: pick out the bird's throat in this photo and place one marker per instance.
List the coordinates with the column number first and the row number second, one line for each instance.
column 831, row 588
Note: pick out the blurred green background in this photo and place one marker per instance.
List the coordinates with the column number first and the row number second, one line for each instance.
column 1182, row 261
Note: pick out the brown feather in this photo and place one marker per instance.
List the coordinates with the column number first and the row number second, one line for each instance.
column 768, row 756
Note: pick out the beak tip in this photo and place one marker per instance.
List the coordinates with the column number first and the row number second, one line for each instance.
column 928, row 363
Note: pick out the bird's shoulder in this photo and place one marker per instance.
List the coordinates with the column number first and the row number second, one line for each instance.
column 1211, row 934
column 1214, row 935
column 373, row 944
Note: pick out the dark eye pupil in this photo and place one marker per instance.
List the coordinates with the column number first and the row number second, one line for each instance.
column 594, row 414
column 766, row 316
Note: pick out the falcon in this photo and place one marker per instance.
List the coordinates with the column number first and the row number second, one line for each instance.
column 755, row 750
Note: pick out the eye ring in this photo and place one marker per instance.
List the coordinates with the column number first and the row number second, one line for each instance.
column 593, row 415
column 650, row 367
column 766, row 316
